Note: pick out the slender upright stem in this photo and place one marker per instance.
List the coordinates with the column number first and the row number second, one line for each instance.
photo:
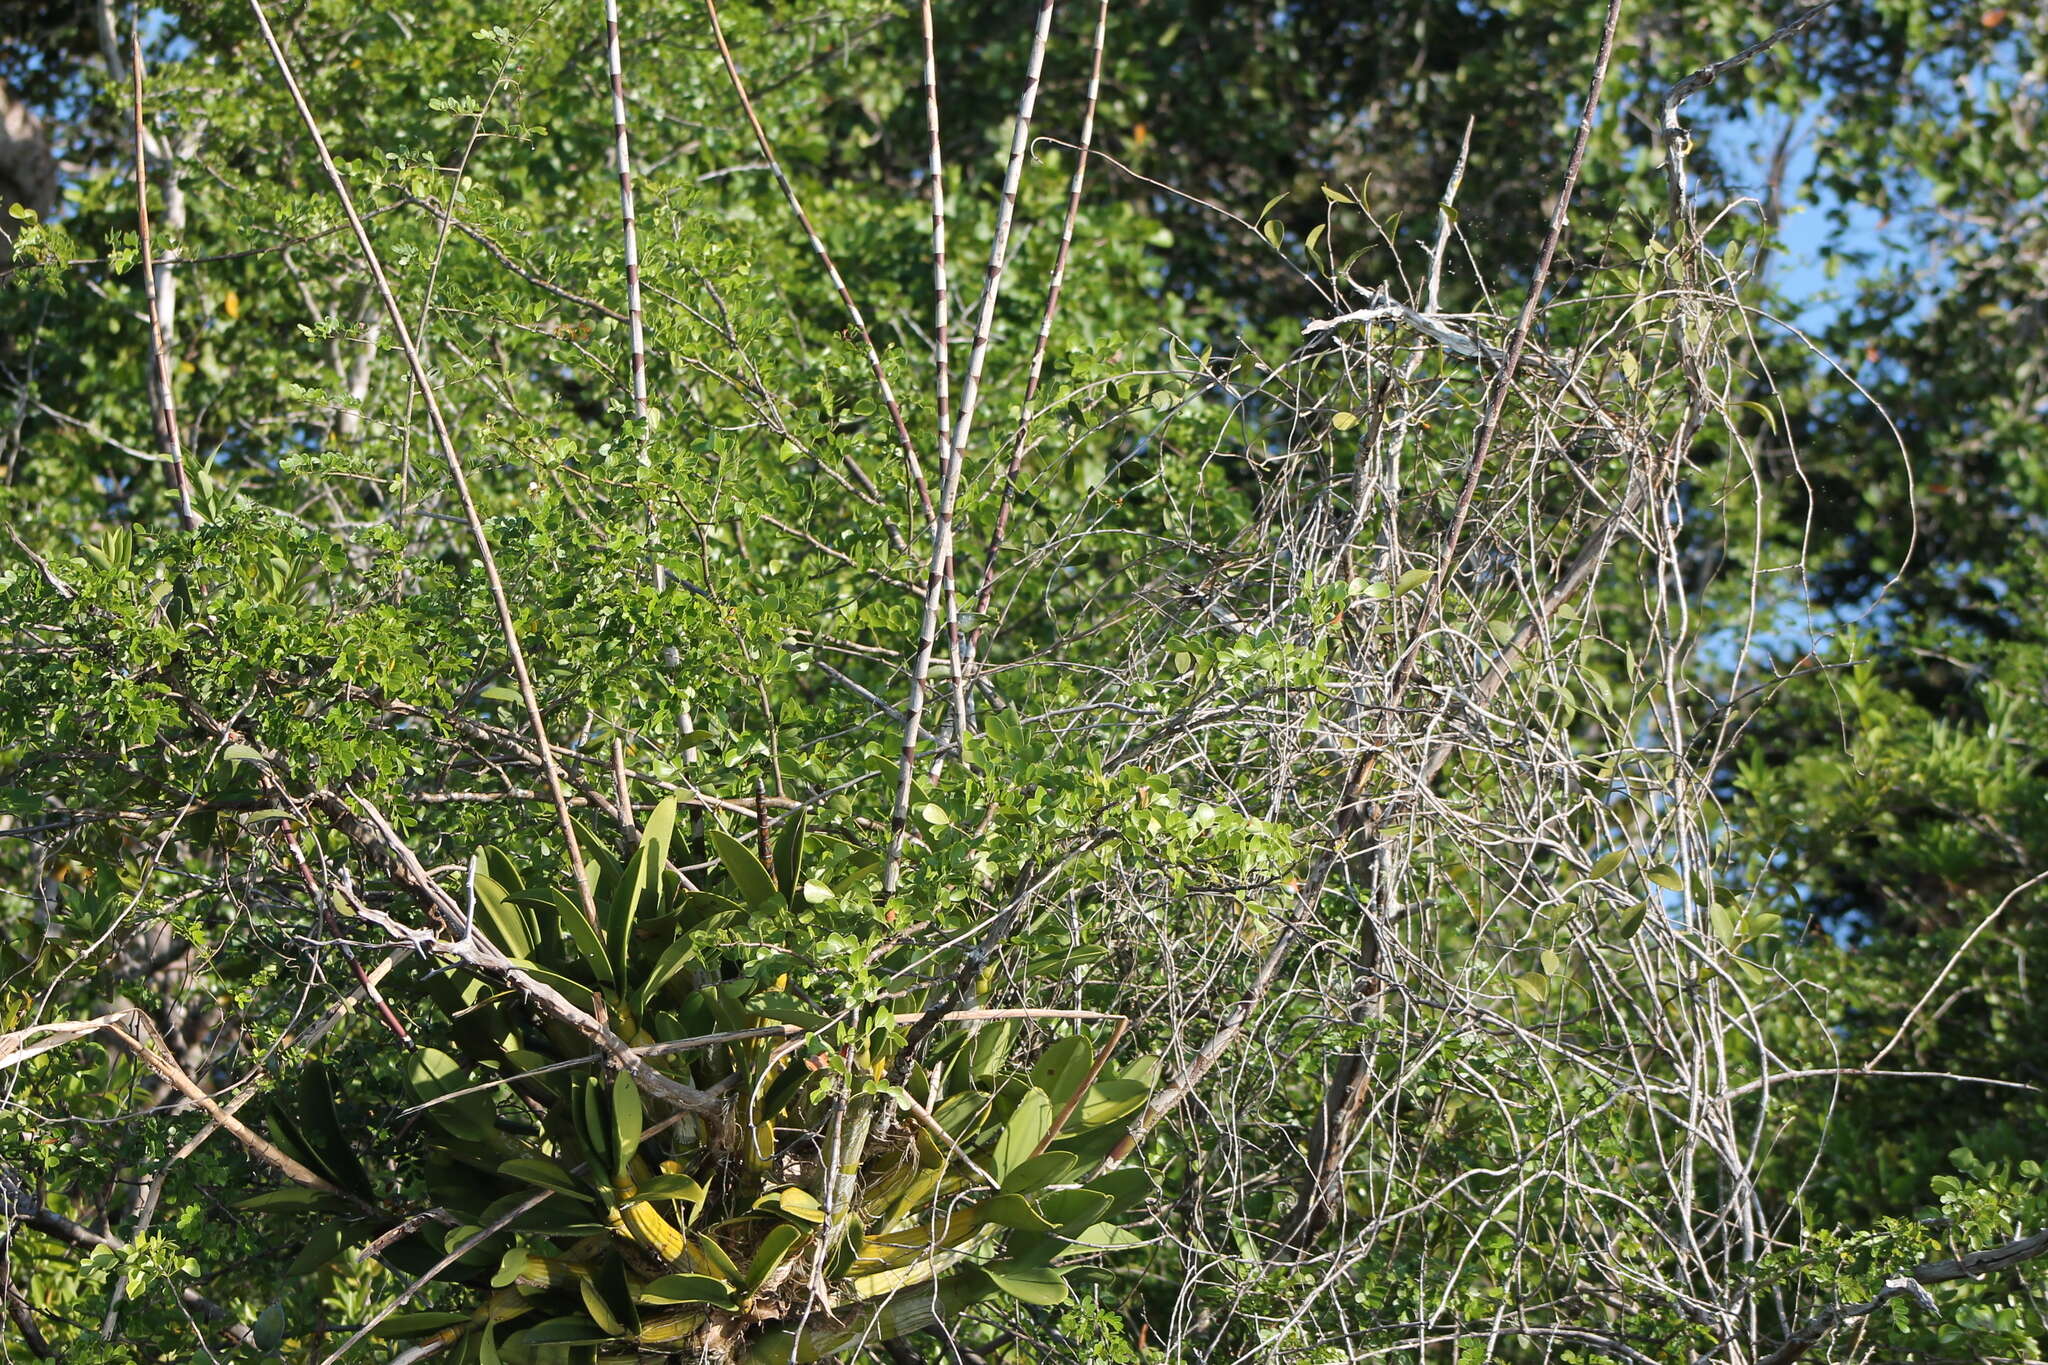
column 942, row 339
column 941, row 286
column 445, row 438
column 1496, row 406
column 629, row 228
column 913, row 468
column 939, row 586
column 1351, row 823
column 629, row 231
column 1036, row 373
column 169, row 438
column 636, row 334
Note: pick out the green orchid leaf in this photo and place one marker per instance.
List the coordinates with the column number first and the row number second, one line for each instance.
column 793, row 1201
column 534, row 1170
column 1039, row 1285
column 508, row 923
column 575, row 1330
column 321, row 1125
column 1038, row 1172
column 774, row 1248
column 323, row 1246
column 668, row 1186
column 1028, row 1126
column 399, row 1326
column 789, row 854
column 718, row 1258
column 1075, row 1208
column 671, row 1289
column 990, row 1048
column 1061, row 1068
column 1109, row 1100
column 589, row 945
column 746, row 871
column 1013, row 1211
column 627, row 1116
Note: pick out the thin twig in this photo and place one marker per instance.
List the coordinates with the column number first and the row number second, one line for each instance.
column 446, row 440
column 160, row 359
column 940, row 587
column 1912, row 1284
column 914, row 471
column 23, row 1044
column 461, row 1249
column 1035, row 372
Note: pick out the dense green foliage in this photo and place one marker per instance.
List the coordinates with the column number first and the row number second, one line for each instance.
column 1432, row 837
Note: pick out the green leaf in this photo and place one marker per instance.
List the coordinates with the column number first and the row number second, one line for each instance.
column 322, row 1129
column 789, row 854
column 572, row 989
column 1144, row 1070
column 690, row 1289
column 1101, row 1237
column 961, row 1114
column 510, row 928
column 990, row 1048
column 1413, row 579
column 323, row 1246
column 1606, row 864
column 795, row 1201
column 640, row 886
column 535, row 1170
column 626, row 1121
column 575, row 1330
column 658, row 832
column 511, row 1266
column 672, row 960
column 596, row 850
column 434, row 1073
column 1126, row 1187
column 669, row 1186
column 600, row 1312
column 1666, row 876
column 1111, row 1099
column 774, row 1247
column 294, row 1197
column 401, row 1325
column 1722, row 921
column 1075, row 1208
column 1013, row 1211
column 594, row 1125
column 1029, row 1123
column 589, row 946
column 1061, row 1068
column 716, row 1254
column 498, row 865
column 268, row 1332
column 1038, row 1172
column 1033, row 1284
column 745, row 870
